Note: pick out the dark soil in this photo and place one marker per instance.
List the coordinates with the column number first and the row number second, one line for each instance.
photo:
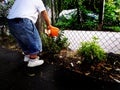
column 106, row 70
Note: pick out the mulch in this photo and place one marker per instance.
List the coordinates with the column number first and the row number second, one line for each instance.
column 15, row 75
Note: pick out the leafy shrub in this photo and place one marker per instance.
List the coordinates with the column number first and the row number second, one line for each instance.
column 70, row 23
column 91, row 51
column 112, row 28
column 54, row 45
column 85, row 22
column 89, row 25
column 112, row 12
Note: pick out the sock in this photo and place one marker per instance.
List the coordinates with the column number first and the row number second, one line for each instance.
column 33, row 56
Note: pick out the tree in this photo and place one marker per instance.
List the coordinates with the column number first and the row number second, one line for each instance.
column 101, row 14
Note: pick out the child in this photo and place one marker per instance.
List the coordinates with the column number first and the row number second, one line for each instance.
column 21, row 20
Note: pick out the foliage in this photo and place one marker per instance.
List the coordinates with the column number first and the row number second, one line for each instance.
column 112, row 14
column 117, row 10
column 78, row 22
column 64, row 23
column 54, row 45
column 92, row 5
column 89, row 25
column 69, row 4
column 4, row 8
column 111, row 28
column 91, row 51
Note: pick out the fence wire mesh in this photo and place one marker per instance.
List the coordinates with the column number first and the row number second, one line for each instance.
column 109, row 41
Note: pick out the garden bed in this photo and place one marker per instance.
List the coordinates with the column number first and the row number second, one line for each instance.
column 106, row 70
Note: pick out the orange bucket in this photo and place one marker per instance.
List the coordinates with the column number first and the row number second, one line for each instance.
column 54, row 31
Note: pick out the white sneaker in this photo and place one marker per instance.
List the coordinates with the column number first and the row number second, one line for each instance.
column 35, row 62
column 26, row 58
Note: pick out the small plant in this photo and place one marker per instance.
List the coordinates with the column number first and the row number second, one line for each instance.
column 91, row 51
column 54, row 46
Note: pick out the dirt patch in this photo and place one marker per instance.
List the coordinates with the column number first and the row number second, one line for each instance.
column 106, row 70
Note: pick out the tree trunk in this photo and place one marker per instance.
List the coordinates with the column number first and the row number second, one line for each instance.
column 78, row 11
column 40, row 23
column 101, row 14
column 53, row 11
column 59, row 3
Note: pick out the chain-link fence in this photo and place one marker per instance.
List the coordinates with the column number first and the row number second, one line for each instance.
column 109, row 41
